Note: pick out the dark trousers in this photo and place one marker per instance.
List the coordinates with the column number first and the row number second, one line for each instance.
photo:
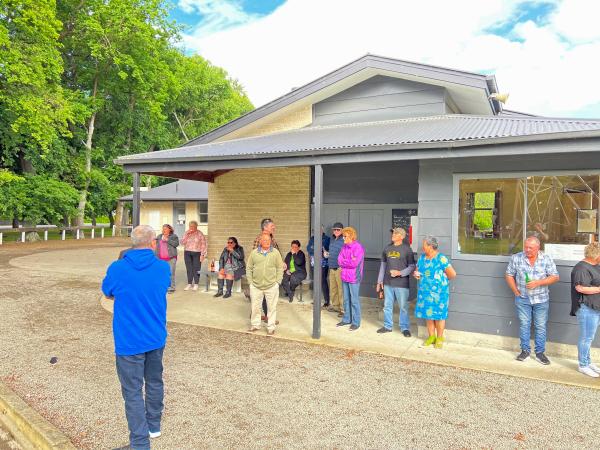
column 192, row 266
column 324, row 282
column 143, row 414
column 291, row 282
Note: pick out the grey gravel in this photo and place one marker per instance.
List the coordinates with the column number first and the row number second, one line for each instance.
column 234, row 390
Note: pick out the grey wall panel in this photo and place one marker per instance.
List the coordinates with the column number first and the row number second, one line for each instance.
column 429, row 96
column 380, row 98
column 436, row 227
column 557, row 332
column 480, row 299
column 504, row 307
column 497, row 287
column 394, row 182
column 380, row 85
column 376, row 115
column 435, row 209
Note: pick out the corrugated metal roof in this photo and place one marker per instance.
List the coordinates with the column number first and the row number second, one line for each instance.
column 434, row 129
column 178, row 191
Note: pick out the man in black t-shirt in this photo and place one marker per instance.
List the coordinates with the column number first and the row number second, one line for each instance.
column 397, row 263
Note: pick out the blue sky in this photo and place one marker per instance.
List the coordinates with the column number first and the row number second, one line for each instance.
column 535, row 48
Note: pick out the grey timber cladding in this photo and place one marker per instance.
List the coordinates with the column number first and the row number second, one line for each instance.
column 380, row 98
column 480, row 301
column 178, row 190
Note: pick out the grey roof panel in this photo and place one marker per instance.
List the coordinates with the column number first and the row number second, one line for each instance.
column 177, row 191
column 433, row 129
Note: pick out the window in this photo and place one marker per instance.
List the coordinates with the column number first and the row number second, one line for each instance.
column 496, row 214
column 203, row 211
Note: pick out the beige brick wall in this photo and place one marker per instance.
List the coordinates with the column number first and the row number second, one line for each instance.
column 156, row 214
column 289, row 120
column 240, row 199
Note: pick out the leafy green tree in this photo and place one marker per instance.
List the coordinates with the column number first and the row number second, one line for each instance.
column 35, row 110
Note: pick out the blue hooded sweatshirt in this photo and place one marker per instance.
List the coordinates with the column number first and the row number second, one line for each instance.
column 139, row 284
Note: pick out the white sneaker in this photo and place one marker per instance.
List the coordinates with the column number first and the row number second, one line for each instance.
column 188, row 287
column 594, row 367
column 154, row 434
column 195, row 287
column 589, row 372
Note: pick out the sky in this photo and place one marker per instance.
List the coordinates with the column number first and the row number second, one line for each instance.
column 545, row 54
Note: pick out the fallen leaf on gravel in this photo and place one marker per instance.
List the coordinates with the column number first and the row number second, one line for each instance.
column 350, row 354
column 519, row 437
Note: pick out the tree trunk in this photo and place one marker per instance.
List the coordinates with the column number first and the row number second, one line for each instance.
column 111, row 218
column 94, row 220
column 88, row 161
column 119, row 218
column 26, row 166
column 15, row 222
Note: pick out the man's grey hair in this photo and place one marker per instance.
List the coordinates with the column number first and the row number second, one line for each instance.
column 264, row 223
column 432, row 241
column 142, row 236
column 534, row 239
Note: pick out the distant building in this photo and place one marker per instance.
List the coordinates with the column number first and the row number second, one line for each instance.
column 175, row 203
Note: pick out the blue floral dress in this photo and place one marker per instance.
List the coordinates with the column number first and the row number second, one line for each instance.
column 434, row 293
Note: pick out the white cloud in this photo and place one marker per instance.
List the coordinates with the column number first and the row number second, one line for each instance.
column 217, row 15
column 304, row 39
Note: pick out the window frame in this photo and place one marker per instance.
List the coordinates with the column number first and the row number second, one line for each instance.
column 459, row 176
column 200, row 214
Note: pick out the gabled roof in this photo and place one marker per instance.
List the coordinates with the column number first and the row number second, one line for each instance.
column 182, row 190
column 454, row 130
column 475, row 87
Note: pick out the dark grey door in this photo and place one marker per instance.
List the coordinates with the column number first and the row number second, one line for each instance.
column 179, row 218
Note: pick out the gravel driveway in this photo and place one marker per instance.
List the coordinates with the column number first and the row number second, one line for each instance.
column 233, row 390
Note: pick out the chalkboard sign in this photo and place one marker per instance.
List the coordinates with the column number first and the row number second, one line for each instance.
column 401, row 218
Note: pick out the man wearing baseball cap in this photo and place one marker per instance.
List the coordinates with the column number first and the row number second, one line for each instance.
column 397, row 263
column 336, row 294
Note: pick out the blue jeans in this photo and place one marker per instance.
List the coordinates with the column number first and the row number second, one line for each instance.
column 351, row 303
column 539, row 312
column 588, row 319
column 393, row 294
column 142, row 416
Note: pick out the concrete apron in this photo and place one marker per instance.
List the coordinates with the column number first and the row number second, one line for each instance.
column 466, row 350
column 200, row 308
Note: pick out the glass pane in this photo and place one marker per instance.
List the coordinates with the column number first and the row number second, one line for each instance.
column 491, row 216
column 203, row 218
column 554, row 203
column 203, row 207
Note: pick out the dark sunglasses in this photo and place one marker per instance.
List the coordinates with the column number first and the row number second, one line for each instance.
column 230, row 242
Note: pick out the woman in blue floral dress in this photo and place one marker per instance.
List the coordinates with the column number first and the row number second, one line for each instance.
column 433, row 272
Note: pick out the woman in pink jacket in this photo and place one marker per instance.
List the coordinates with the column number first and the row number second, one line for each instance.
column 351, row 261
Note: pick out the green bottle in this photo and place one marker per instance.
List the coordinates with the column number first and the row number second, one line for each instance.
column 527, row 280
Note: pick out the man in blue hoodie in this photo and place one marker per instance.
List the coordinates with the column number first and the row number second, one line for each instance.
column 139, row 284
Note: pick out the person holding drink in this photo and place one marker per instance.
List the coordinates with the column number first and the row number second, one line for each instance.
column 528, row 275
column 433, row 273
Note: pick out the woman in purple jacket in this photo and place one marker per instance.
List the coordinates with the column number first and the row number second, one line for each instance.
column 351, row 259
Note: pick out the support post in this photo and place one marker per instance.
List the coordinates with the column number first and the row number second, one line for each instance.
column 318, row 249
column 45, row 235
column 135, row 216
column 102, row 233
column 93, row 233
column 77, row 234
column 1, row 236
column 22, row 236
column 63, row 234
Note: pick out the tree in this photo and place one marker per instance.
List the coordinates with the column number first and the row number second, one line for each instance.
column 35, row 198
column 112, row 48
column 35, row 110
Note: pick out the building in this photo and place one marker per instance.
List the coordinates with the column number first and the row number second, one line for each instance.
column 175, row 203
column 379, row 140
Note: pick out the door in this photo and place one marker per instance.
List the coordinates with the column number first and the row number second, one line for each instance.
column 368, row 223
column 179, row 218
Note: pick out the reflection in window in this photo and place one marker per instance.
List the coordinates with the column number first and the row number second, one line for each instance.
column 491, row 216
column 494, row 212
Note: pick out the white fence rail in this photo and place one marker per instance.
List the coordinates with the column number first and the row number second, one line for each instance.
column 77, row 232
